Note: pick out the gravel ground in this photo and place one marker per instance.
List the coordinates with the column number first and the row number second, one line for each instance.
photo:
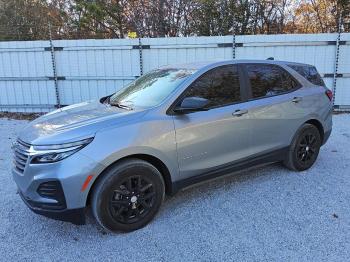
column 264, row 214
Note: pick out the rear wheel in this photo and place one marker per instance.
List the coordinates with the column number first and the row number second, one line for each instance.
column 128, row 196
column 304, row 149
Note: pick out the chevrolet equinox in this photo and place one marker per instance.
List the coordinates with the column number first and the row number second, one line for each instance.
column 168, row 129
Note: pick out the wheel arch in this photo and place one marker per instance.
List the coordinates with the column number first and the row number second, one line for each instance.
column 318, row 125
column 156, row 162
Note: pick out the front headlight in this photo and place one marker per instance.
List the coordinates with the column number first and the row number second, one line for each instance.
column 54, row 153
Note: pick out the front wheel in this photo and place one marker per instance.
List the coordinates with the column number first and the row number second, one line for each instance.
column 304, row 149
column 128, row 196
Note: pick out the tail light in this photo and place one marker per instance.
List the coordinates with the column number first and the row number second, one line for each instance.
column 329, row 94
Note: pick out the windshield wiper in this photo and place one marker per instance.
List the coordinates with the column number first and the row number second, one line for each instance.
column 118, row 104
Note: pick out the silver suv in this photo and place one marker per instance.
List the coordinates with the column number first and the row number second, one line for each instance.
column 170, row 128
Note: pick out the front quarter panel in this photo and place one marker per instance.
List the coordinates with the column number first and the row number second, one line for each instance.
column 151, row 136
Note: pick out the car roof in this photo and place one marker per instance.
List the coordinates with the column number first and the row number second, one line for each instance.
column 203, row 64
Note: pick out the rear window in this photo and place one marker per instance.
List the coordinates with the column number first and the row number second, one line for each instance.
column 310, row 73
column 269, row 80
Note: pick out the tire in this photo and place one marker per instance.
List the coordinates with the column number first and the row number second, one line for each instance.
column 304, row 149
column 128, row 196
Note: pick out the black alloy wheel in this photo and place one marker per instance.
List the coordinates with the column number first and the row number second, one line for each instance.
column 132, row 200
column 304, row 149
column 127, row 196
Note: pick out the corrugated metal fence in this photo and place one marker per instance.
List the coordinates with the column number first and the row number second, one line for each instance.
column 35, row 76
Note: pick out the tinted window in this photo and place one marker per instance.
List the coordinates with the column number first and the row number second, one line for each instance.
column 310, row 73
column 269, row 80
column 151, row 88
column 220, row 86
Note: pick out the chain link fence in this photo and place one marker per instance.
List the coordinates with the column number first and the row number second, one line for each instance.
column 39, row 76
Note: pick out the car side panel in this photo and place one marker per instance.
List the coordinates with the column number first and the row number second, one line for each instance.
column 209, row 139
column 275, row 120
column 153, row 136
column 319, row 105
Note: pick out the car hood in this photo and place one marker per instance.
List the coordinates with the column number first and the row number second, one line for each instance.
column 75, row 122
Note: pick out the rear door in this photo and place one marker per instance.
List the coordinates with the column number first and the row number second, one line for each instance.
column 275, row 106
column 212, row 139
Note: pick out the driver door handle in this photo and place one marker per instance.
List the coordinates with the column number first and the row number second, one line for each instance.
column 239, row 112
column 297, row 99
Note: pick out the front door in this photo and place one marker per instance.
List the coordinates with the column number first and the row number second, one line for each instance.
column 209, row 140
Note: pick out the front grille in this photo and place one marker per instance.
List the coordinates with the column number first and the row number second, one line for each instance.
column 21, row 155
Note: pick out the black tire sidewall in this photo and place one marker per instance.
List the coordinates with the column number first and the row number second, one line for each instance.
column 105, row 187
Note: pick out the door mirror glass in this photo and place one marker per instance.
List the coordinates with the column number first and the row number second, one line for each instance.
column 192, row 104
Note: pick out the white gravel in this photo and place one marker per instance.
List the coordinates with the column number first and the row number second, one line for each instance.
column 263, row 214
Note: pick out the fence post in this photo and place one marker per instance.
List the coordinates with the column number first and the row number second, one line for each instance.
column 141, row 57
column 233, row 37
column 53, row 61
column 336, row 61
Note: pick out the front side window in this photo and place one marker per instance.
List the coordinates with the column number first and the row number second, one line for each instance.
column 269, row 80
column 151, row 89
column 219, row 85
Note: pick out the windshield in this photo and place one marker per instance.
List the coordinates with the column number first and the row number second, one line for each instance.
column 150, row 89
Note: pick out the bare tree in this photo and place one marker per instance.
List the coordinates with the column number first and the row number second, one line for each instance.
column 70, row 19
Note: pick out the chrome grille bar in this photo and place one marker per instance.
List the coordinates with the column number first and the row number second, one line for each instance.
column 21, row 155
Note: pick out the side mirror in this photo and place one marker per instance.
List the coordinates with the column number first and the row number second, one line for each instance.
column 192, row 104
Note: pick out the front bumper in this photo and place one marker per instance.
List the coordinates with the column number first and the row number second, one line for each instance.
column 75, row 216
column 70, row 174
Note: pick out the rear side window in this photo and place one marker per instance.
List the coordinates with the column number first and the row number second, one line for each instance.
column 269, row 80
column 219, row 85
column 310, row 73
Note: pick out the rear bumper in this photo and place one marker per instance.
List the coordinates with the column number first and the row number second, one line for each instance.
column 326, row 136
column 75, row 216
